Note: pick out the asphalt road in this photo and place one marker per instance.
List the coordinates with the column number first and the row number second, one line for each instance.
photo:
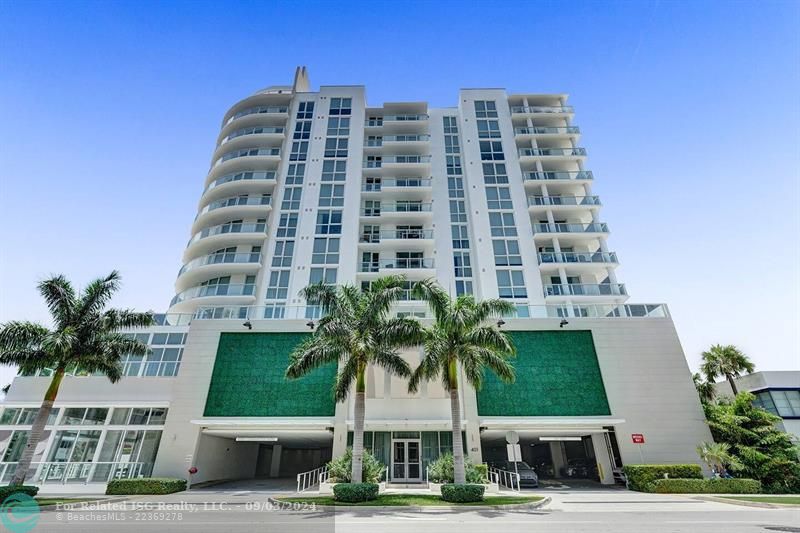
column 584, row 511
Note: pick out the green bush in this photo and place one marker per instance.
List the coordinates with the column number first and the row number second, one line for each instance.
column 5, row 492
column 707, row 486
column 462, row 493
column 441, row 470
column 340, row 469
column 146, row 485
column 641, row 477
column 355, row 492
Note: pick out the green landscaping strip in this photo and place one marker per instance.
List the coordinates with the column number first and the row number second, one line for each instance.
column 784, row 500
column 53, row 501
column 405, row 500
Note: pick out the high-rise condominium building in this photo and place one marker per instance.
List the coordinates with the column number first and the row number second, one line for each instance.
column 492, row 197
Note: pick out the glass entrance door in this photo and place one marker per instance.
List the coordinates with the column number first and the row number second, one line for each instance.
column 406, row 465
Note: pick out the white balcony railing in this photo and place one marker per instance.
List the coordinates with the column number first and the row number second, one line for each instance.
column 229, row 227
column 585, row 289
column 225, row 289
column 559, row 175
column 376, row 186
column 399, row 207
column 404, row 263
column 563, row 200
column 568, row 227
column 258, row 110
column 402, row 234
column 242, row 176
column 554, row 152
column 542, row 109
column 222, row 258
column 544, row 130
column 577, row 257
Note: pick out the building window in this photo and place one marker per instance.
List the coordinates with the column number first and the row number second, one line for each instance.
column 322, row 275
column 453, row 165
column 451, row 144
column 284, row 251
column 84, row 416
column 491, row 150
column 458, row 211
column 138, row 416
column 787, row 402
column 450, row 125
column 502, row 225
column 485, row 109
column 499, row 198
column 372, row 208
column 294, row 176
column 287, row 226
column 305, row 110
column 511, row 284
column 291, row 198
column 463, row 286
column 336, row 147
column 463, row 267
column 488, row 129
column 299, row 151
column 302, row 130
column 506, row 252
column 331, row 195
column 460, row 236
column 341, row 106
column 326, row 251
column 334, row 170
column 455, row 187
column 278, row 286
column 329, row 222
column 494, row 173
column 338, row 126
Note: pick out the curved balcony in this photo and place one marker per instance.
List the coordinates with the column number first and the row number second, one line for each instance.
column 217, row 264
column 558, row 203
column 570, row 228
column 552, row 152
column 229, row 234
column 249, row 181
column 258, row 151
column 580, row 175
column 233, row 207
column 576, row 260
column 398, row 211
column 250, row 131
column 403, row 264
column 586, row 290
column 244, row 161
column 397, row 239
column 242, row 293
column 274, row 110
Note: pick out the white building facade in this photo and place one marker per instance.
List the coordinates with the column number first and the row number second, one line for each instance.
column 491, row 198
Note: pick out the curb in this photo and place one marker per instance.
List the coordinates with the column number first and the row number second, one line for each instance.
column 95, row 501
column 744, row 503
column 418, row 508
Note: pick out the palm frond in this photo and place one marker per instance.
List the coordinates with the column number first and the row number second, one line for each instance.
column 59, row 295
column 97, row 294
column 402, row 332
column 311, row 354
column 391, row 361
column 115, row 319
column 434, row 295
column 18, row 335
column 345, row 378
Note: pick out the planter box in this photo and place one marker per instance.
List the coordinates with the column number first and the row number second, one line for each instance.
column 326, row 488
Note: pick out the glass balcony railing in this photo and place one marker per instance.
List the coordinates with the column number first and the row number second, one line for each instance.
column 559, row 175
column 202, row 291
column 242, row 176
column 258, row 110
column 254, row 130
column 236, row 201
column 396, row 139
column 586, row 289
column 396, row 159
column 376, row 186
column 577, row 257
column 542, row 130
column 399, row 263
column 249, row 152
column 569, row 227
column 542, row 109
column 222, row 258
column 399, row 207
column 563, row 200
column 373, row 238
column 535, row 152
column 229, row 227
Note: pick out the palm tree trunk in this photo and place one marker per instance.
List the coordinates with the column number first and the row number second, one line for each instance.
column 37, row 429
column 358, row 430
column 459, row 473
column 733, row 384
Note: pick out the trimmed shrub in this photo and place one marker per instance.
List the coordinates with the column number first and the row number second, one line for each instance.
column 441, row 470
column 6, row 491
column 146, row 485
column 641, row 477
column 462, row 493
column 707, row 486
column 340, row 469
column 355, row 492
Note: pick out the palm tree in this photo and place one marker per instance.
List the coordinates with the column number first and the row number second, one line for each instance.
column 717, row 455
column 705, row 389
column 461, row 337
column 356, row 332
column 85, row 336
column 726, row 361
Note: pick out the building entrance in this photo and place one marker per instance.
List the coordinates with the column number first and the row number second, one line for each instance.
column 406, row 460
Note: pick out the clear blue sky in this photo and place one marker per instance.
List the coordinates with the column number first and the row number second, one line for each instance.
column 690, row 113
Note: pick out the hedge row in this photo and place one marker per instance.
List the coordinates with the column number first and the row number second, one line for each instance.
column 145, row 485
column 641, row 477
column 355, row 492
column 707, row 486
column 30, row 490
column 462, row 493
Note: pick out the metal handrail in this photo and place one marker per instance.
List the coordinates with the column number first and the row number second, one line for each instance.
column 505, row 478
column 306, row 480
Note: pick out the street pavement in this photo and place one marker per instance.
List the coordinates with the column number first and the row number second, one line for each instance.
column 237, row 509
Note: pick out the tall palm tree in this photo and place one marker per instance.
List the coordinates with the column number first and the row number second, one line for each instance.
column 705, row 389
column 356, row 331
column 461, row 337
column 726, row 361
column 85, row 336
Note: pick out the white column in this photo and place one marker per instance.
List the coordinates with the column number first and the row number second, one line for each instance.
column 603, row 460
column 559, row 459
column 275, row 464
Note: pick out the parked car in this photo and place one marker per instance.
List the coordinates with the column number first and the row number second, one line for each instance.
column 527, row 475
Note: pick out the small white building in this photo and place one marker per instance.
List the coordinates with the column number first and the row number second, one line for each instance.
column 491, row 197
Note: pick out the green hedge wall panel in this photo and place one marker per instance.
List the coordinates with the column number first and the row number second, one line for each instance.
column 557, row 375
column 248, row 379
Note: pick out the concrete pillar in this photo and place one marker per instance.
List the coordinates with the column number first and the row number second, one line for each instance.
column 559, row 457
column 604, row 468
column 469, row 403
column 275, row 465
